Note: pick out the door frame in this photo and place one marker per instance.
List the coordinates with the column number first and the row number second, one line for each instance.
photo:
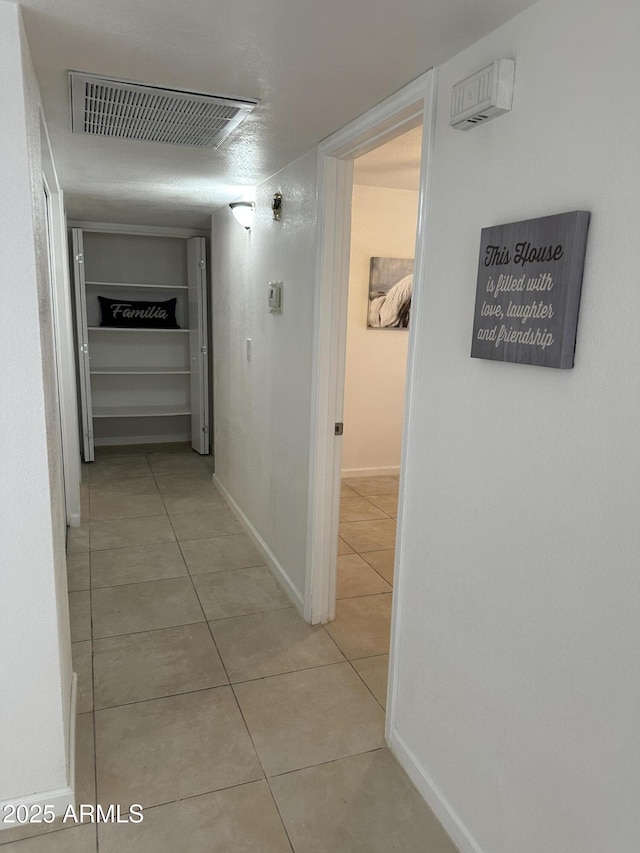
column 63, row 330
column 412, row 105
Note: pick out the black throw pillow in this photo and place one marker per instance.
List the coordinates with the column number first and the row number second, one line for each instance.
column 129, row 314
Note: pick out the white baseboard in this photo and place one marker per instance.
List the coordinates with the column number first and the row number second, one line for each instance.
column 59, row 798
column 276, row 567
column 370, row 472
column 452, row 824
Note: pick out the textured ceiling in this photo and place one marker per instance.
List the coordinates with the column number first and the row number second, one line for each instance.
column 395, row 165
column 314, row 66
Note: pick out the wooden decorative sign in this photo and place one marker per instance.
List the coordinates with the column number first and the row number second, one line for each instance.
column 528, row 290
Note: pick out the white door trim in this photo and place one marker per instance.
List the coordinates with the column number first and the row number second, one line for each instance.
column 412, row 105
column 63, row 332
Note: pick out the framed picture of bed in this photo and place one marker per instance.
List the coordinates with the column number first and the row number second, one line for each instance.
column 390, row 289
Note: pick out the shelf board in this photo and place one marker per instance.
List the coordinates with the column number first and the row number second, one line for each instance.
column 139, row 411
column 133, row 329
column 139, row 371
column 138, row 286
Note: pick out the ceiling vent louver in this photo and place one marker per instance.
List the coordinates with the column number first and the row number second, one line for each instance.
column 108, row 107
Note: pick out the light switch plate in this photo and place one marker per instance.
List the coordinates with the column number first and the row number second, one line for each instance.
column 275, row 297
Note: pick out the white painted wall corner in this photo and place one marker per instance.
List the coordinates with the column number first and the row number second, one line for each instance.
column 430, row 792
column 60, row 798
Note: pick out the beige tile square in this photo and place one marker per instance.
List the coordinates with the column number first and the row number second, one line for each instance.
column 104, row 452
column 308, row 717
column 271, row 643
column 365, row 802
column 166, row 749
column 177, row 463
column 343, row 548
column 153, row 664
column 127, row 532
column 365, row 486
column 238, row 820
column 85, row 793
column 183, row 485
column 359, row 509
column 78, row 571
column 84, row 501
column 220, row 553
column 75, row 839
column 135, row 486
column 362, row 626
column 83, row 667
column 382, row 562
column 119, row 468
column 387, row 503
column 112, row 504
column 78, row 539
column 355, row 577
column 374, row 672
column 239, row 592
column 167, row 447
column 216, row 521
column 80, row 615
column 366, row 535
column 204, row 502
column 136, row 565
column 144, row 606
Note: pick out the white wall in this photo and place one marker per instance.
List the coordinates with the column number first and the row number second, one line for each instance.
column 519, row 638
column 518, row 693
column 262, row 434
column 383, row 224
column 35, row 665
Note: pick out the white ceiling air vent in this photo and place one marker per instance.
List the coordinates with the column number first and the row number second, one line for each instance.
column 484, row 95
column 109, row 107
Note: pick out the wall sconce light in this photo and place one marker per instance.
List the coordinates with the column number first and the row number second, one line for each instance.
column 276, row 206
column 243, row 212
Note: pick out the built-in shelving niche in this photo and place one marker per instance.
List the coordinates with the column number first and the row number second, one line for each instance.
column 141, row 385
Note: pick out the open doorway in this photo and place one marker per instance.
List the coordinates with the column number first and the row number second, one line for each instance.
column 400, row 113
column 384, row 216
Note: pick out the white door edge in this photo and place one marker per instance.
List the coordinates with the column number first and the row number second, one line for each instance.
column 396, row 115
column 63, row 332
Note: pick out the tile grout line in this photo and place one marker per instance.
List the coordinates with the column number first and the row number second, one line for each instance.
column 95, row 737
column 325, row 763
column 93, row 681
column 176, row 577
column 384, row 710
column 391, row 592
column 240, row 711
column 277, row 808
column 208, row 622
column 188, row 574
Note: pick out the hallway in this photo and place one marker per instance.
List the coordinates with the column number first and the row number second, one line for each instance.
column 202, row 694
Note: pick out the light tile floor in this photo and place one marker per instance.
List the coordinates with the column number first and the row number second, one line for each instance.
column 202, row 693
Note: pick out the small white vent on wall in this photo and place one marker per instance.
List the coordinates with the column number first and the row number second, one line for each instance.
column 110, row 107
column 484, row 95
